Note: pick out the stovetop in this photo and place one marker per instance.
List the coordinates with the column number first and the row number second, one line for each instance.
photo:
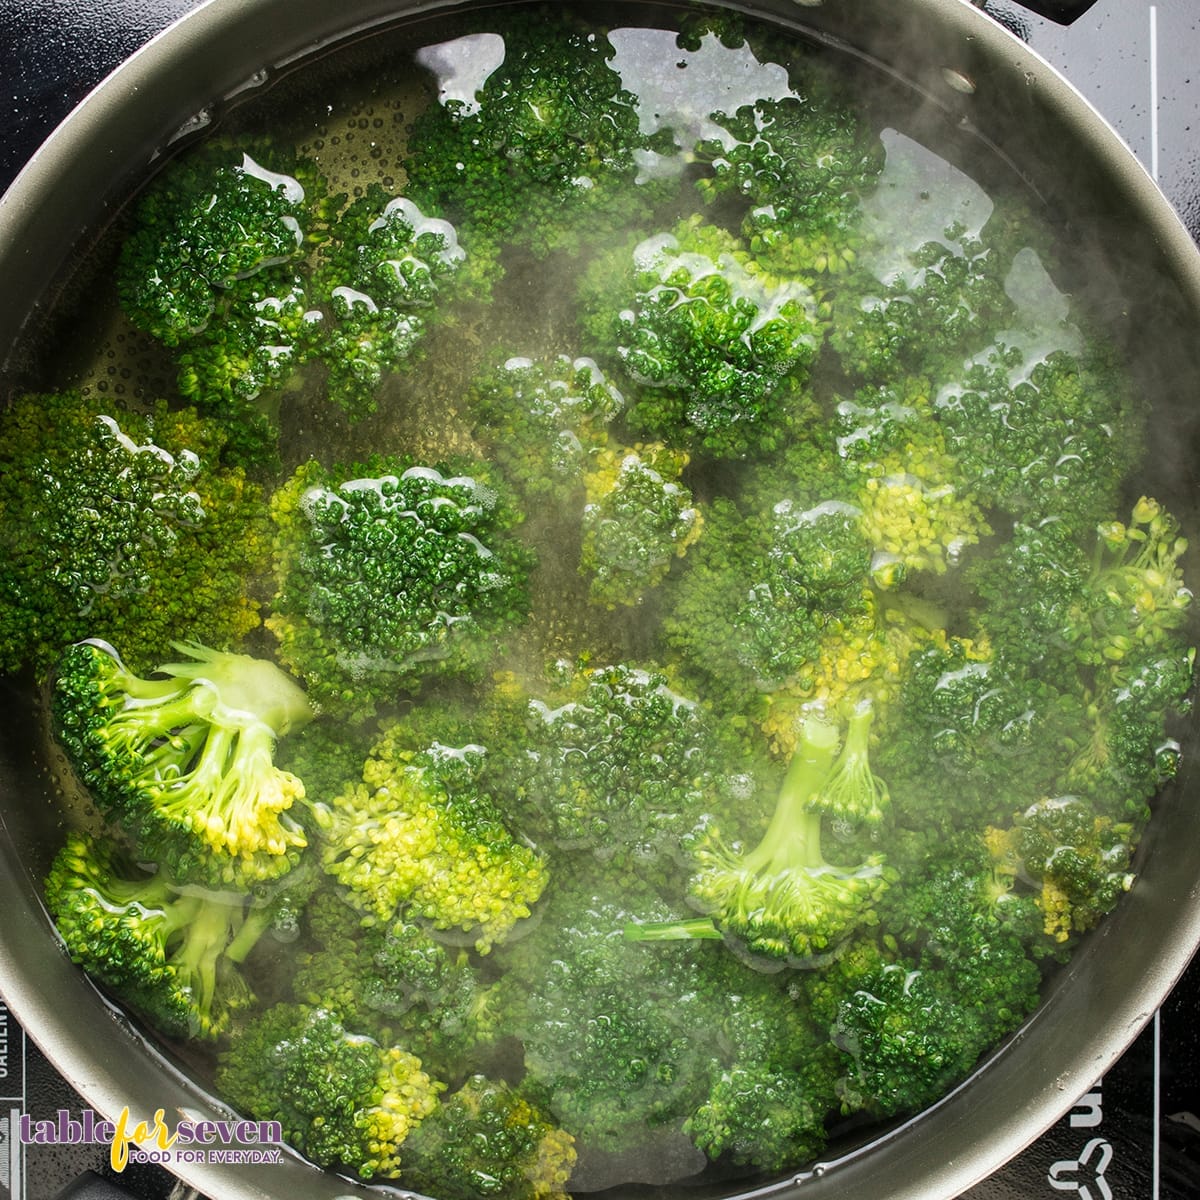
column 1136, row 1134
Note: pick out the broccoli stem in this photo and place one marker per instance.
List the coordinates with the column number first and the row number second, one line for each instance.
column 793, row 837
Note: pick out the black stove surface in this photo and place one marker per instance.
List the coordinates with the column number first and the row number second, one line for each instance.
column 1136, row 1134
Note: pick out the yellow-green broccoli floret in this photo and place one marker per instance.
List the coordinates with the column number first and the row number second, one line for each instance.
column 419, row 835
column 343, row 1100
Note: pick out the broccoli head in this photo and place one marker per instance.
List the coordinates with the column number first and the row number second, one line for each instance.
column 801, row 163
column 545, row 148
column 719, row 350
column 390, row 571
column 122, row 526
column 419, row 836
column 382, row 275
column 172, row 951
column 638, row 519
column 489, row 1140
column 612, row 760
column 394, row 981
column 184, row 760
column 543, row 421
column 343, row 1100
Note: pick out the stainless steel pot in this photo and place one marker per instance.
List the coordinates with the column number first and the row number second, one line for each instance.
column 998, row 91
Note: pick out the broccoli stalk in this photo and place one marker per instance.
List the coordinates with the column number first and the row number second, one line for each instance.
column 783, row 899
column 185, row 761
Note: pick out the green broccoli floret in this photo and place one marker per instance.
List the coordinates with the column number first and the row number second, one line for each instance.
column 764, row 591
column 905, row 1039
column 390, row 571
column 1130, row 753
column 342, row 1099
column 544, row 421
column 488, row 1140
column 547, row 146
column 206, row 224
column 170, row 950
column 382, row 274
column 614, row 1034
column 419, row 836
column 638, row 519
column 612, row 760
column 974, row 738
column 184, row 760
column 782, row 899
column 1080, row 860
column 394, row 981
column 120, row 526
column 801, row 163
column 719, row 350
column 774, row 1069
column 1043, row 439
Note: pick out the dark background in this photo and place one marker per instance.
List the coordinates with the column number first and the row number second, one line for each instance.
column 1139, row 63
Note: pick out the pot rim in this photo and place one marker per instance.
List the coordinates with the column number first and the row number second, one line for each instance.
column 96, row 152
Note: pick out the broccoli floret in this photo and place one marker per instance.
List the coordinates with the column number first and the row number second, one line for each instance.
column 719, row 350
column 1043, row 439
column 782, row 899
column 543, row 421
column 614, row 761
column 1130, row 753
column 774, row 1069
column 206, row 224
column 172, row 951
column 382, row 274
column 489, row 1140
column 342, row 1099
column 390, row 571
column 610, row 1032
column 120, row 526
column 1080, row 860
column 801, row 163
column 975, row 739
column 761, row 594
column 394, row 981
column 638, row 519
column 419, row 836
column 184, row 760
column 905, row 1040
column 547, row 147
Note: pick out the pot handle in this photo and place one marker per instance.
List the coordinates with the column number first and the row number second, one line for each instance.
column 1062, row 11
column 90, row 1186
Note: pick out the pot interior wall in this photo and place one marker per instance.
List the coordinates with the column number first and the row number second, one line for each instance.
column 974, row 76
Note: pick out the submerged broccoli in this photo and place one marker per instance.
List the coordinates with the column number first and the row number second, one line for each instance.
column 611, row 760
column 543, row 421
column 381, row 276
column 121, row 526
column 545, row 148
column 639, row 517
column 393, row 980
column 170, row 949
column 342, row 1099
column 719, row 350
column 390, row 571
column 184, row 760
column 782, row 899
column 488, row 1139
